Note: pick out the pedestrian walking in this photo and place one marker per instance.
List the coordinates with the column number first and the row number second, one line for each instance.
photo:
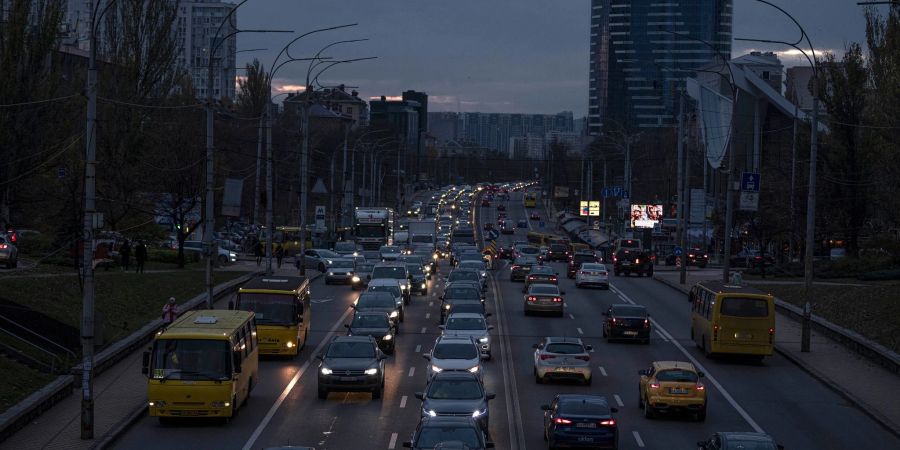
column 140, row 256
column 279, row 254
column 125, row 252
column 170, row 311
column 258, row 251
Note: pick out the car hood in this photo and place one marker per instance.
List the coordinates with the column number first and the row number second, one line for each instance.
column 377, row 309
column 455, row 364
column 336, row 364
column 454, row 406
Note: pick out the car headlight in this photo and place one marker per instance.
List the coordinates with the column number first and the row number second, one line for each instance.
column 474, row 369
column 289, row 344
column 355, row 279
column 387, row 337
column 394, row 314
column 484, row 340
column 434, row 256
column 423, row 285
column 328, row 261
column 477, row 413
column 436, row 369
column 428, row 268
column 371, row 371
column 326, row 371
column 430, row 412
column 404, row 287
column 330, row 274
column 220, row 404
column 447, row 307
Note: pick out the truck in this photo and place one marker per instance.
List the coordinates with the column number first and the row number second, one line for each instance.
column 629, row 256
column 422, row 232
column 373, row 227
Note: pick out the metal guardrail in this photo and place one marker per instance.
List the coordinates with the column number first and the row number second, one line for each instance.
column 56, row 361
column 52, row 362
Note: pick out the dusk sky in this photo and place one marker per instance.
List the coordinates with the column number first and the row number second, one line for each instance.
column 517, row 56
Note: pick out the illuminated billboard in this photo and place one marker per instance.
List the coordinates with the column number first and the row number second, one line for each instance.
column 589, row 208
column 646, row 216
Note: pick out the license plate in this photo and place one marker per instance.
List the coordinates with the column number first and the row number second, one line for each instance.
column 563, row 369
column 348, row 378
column 630, row 333
column 626, row 263
column 586, row 425
column 740, row 335
column 190, row 413
column 678, row 391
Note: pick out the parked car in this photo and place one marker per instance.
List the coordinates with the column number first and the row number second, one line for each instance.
column 751, row 259
column 223, row 256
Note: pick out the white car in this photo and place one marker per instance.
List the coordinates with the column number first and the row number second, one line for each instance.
column 592, row 274
column 473, row 325
column 562, row 358
column 454, row 353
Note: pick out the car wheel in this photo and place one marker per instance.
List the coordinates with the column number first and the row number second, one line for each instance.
column 222, row 260
column 648, row 410
column 376, row 393
column 321, row 267
column 701, row 416
column 587, row 381
column 323, row 394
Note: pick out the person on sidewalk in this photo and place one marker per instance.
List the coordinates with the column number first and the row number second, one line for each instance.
column 279, row 253
column 170, row 311
column 125, row 252
column 140, row 256
column 259, row 252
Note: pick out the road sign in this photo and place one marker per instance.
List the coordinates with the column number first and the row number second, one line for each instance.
column 319, row 187
column 750, row 181
column 320, row 217
column 677, row 261
column 749, row 201
column 677, row 251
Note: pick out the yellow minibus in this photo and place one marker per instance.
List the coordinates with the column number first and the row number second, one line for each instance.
column 281, row 305
column 732, row 319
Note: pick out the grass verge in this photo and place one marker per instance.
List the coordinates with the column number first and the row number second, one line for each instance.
column 872, row 311
column 19, row 382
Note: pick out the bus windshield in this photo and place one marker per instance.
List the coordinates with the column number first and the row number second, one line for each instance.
column 270, row 309
column 191, row 359
column 367, row 231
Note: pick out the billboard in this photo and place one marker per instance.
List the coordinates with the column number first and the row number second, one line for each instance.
column 646, row 216
column 589, row 208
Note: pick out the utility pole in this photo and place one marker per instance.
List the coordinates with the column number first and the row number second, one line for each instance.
column 87, row 311
column 810, row 228
column 729, row 212
column 259, row 158
column 793, row 180
column 682, row 183
column 208, row 222
column 346, row 197
column 270, row 222
column 304, row 175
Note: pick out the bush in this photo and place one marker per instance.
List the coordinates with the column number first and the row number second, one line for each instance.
column 169, row 256
column 881, row 275
column 35, row 245
column 854, row 267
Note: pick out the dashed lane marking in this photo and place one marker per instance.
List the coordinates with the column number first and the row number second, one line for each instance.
column 393, row 442
column 637, row 438
column 602, row 371
column 412, row 371
column 571, row 316
column 418, row 348
column 427, row 315
column 618, row 400
column 579, row 331
column 403, row 402
column 424, row 329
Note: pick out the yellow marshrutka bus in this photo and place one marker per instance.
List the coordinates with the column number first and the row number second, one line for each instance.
column 203, row 365
column 281, row 305
column 530, row 200
column 732, row 319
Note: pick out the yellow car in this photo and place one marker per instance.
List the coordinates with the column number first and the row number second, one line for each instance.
column 672, row 386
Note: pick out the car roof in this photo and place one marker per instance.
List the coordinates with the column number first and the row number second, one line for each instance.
column 563, row 340
column 663, row 365
column 384, row 281
column 588, row 398
column 534, row 285
column 391, row 264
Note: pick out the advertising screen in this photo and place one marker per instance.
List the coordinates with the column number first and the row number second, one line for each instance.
column 646, row 216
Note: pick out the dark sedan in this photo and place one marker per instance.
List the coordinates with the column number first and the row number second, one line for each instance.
column 520, row 268
column 375, row 324
column 351, row 363
column 739, row 440
column 558, row 252
column 379, row 302
column 627, row 322
column 580, row 421
column 435, row 432
column 456, row 394
column 453, row 294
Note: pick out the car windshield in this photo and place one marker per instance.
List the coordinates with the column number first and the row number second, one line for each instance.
column 393, row 290
column 564, row 348
column 525, row 262
column 581, row 407
column 454, row 351
column 578, row 259
column 744, row 307
column 472, row 265
column 748, row 444
column 191, row 359
column 270, row 309
column 327, row 254
column 375, row 301
column 461, row 292
column 345, row 247
column 351, row 350
column 629, row 311
column 342, row 264
column 370, row 321
column 431, row 436
column 542, row 270
column 465, row 323
column 529, row 250
column 459, row 275
column 542, row 289
column 557, row 248
column 594, row 267
column 364, row 267
column 677, row 375
column 415, row 269
column 455, row 389
column 395, row 272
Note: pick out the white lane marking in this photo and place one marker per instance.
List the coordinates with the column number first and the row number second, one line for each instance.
column 734, row 404
column 393, row 441
column 418, row 348
column 427, row 315
column 661, row 335
column 424, row 329
column 514, row 420
column 637, row 438
column 403, row 402
column 412, row 371
column 602, row 371
column 571, row 317
column 618, row 400
column 290, row 386
column 430, row 303
column 579, row 331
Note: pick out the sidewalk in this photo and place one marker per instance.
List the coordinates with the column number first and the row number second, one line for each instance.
column 828, row 361
column 120, row 395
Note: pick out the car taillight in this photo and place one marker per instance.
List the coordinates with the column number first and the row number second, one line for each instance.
column 612, row 322
column 532, row 298
column 546, row 357
column 701, row 387
column 3, row 246
column 561, row 421
column 552, row 278
column 608, row 423
column 654, row 385
column 637, row 261
column 557, row 299
column 715, row 332
column 771, row 334
column 583, row 358
column 646, row 323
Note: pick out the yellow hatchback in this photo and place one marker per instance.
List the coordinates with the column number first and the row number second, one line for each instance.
column 672, row 386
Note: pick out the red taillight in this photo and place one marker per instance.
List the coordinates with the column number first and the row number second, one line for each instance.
column 583, row 358
column 701, row 387
column 654, row 385
column 608, row 423
column 552, row 278
column 646, row 323
column 3, row 246
column 637, row 261
column 771, row 335
column 557, row 299
column 771, row 331
column 561, row 421
column 13, row 238
column 532, row 298
column 715, row 332
column 612, row 322
column 546, row 357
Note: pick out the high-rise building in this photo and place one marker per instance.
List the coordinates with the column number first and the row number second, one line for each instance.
column 641, row 53
column 195, row 27
column 497, row 131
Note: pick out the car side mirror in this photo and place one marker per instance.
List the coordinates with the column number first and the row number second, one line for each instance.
column 614, row 409
column 701, row 374
column 545, row 407
column 490, row 327
column 353, row 306
column 588, row 347
column 382, row 357
column 420, row 395
column 426, row 356
column 536, row 346
column 488, row 315
column 643, row 372
column 442, row 326
column 145, row 363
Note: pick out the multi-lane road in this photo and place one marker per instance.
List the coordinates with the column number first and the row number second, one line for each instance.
column 775, row 397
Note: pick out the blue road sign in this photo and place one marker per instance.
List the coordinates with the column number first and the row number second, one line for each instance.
column 677, row 251
column 750, row 181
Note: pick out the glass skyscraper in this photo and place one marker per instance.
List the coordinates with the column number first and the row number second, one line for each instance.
column 641, row 53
